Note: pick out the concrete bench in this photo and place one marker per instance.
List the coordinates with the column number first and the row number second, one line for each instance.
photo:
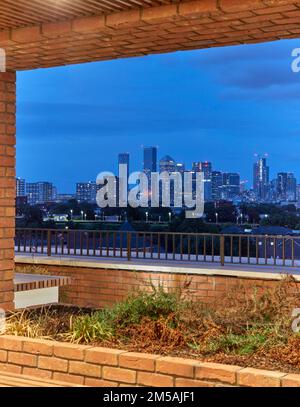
column 34, row 289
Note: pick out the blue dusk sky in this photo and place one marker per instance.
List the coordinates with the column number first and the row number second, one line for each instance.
column 220, row 104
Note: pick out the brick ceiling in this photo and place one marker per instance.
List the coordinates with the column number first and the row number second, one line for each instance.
column 44, row 33
column 19, row 13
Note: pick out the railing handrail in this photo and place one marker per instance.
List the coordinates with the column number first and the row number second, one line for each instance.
column 160, row 233
column 276, row 250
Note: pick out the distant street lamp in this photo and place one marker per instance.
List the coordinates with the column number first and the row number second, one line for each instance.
column 159, row 219
column 170, row 217
column 71, row 211
column 85, row 215
column 81, row 215
column 217, row 217
column 147, row 217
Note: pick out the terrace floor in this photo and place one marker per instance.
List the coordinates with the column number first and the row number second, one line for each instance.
column 166, row 266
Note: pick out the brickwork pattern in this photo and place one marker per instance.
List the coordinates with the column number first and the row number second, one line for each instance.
column 104, row 367
column 181, row 25
column 94, row 287
column 7, row 186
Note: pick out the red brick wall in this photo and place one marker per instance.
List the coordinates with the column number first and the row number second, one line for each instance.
column 103, row 367
column 94, row 287
column 166, row 28
column 7, row 186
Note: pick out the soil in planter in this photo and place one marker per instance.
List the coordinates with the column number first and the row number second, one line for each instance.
column 245, row 327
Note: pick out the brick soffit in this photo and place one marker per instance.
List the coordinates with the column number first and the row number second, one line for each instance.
column 176, row 26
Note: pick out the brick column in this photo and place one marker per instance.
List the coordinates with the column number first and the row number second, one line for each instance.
column 7, row 186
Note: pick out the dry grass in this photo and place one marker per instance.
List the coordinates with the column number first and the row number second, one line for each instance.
column 250, row 328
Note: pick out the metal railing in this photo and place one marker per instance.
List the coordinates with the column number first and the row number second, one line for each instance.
column 190, row 247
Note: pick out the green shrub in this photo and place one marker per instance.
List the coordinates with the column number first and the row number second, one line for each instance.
column 88, row 329
column 136, row 307
column 239, row 344
column 105, row 324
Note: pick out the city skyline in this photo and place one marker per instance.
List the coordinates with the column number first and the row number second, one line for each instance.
column 218, row 184
column 220, row 105
column 187, row 167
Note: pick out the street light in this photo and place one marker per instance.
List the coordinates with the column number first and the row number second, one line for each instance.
column 170, row 217
column 81, row 215
column 71, row 211
column 85, row 215
column 217, row 217
column 147, row 216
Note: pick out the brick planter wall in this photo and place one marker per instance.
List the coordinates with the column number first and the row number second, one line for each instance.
column 7, row 186
column 103, row 367
column 99, row 287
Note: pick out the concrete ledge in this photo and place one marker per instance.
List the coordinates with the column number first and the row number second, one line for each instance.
column 160, row 266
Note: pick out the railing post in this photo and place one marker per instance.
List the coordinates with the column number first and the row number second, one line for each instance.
column 49, row 243
column 222, row 250
column 128, row 246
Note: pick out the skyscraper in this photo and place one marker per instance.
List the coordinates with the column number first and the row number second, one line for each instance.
column 196, row 167
column 281, row 186
column 261, row 179
column 286, row 187
column 86, row 191
column 291, row 188
column 20, row 187
column 180, row 167
column 150, row 160
column 216, row 185
column 206, row 168
column 231, row 185
column 167, row 164
column 124, row 158
column 40, row 192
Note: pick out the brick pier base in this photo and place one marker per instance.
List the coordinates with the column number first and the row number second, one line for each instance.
column 7, row 186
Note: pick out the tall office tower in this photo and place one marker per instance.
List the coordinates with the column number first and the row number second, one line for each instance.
column 196, row 167
column 124, row 158
column 273, row 191
column 291, row 188
column 40, row 192
column 216, row 185
column 261, row 179
column 180, row 167
column 167, row 164
column 298, row 196
column 206, row 168
column 282, row 178
column 286, row 187
column 231, row 185
column 20, row 187
column 54, row 194
column 150, row 160
column 86, row 191
column 32, row 192
column 150, row 165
